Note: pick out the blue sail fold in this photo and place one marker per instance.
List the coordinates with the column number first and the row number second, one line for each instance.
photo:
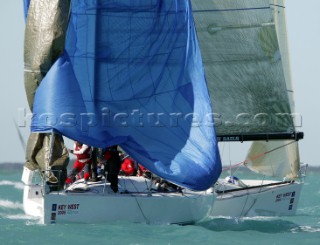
column 26, row 4
column 132, row 75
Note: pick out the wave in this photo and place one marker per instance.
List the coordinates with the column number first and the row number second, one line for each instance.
column 305, row 228
column 260, row 223
column 30, row 220
column 10, row 205
column 20, row 217
column 17, row 185
column 313, row 211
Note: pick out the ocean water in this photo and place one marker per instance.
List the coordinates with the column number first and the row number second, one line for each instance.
column 17, row 228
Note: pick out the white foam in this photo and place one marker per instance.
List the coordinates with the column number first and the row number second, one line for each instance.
column 31, row 220
column 10, row 205
column 305, row 228
column 19, row 216
column 260, row 218
column 17, row 185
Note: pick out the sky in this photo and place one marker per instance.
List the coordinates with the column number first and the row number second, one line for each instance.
column 303, row 25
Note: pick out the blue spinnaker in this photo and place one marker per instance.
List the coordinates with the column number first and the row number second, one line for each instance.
column 132, row 75
column 26, row 4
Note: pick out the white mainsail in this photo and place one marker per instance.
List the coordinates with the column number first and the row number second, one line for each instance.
column 246, row 59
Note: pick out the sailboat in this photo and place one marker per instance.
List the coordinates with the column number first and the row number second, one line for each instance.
column 137, row 69
column 245, row 53
column 126, row 73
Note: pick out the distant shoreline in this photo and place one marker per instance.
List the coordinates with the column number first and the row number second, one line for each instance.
column 11, row 166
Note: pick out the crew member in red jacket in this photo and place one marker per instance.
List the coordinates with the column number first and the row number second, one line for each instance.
column 128, row 167
column 83, row 161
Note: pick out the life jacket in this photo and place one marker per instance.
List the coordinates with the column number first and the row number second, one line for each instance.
column 85, row 155
column 127, row 167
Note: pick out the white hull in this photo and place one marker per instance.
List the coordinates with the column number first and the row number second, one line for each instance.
column 134, row 202
column 269, row 199
column 137, row 201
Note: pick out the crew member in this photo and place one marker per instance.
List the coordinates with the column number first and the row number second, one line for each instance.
column 83, row 161
column 112, row 166
column 128, row 167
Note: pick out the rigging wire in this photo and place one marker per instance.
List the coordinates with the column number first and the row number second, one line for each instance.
column 21, row 139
